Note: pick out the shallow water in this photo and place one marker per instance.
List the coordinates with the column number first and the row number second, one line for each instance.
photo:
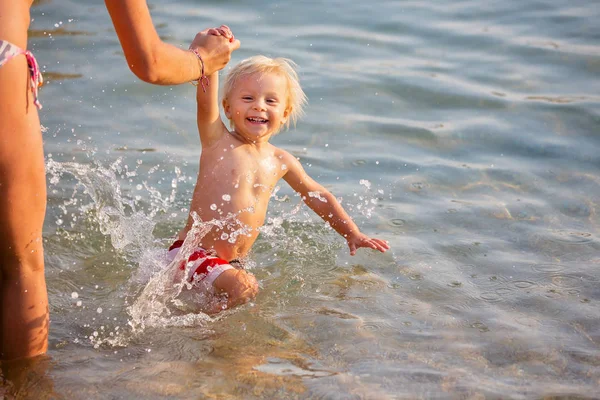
column 465, row 133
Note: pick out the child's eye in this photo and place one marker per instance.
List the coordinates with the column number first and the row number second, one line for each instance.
column 272, row 101
column 247, row 98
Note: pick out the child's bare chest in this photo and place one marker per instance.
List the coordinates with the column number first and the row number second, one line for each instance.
column 243, row 168
column 258, row 171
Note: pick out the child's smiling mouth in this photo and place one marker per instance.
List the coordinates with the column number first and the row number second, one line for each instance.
column 257, row 120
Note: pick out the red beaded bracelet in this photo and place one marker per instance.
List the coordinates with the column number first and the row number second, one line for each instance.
column 203, row 78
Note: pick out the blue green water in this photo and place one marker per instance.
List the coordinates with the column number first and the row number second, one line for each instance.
column 465, row 133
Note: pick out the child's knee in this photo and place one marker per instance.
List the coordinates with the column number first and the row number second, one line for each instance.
column 240, row 286
column 244, row 289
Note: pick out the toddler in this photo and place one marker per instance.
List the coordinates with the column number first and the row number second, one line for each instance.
column 239, row 169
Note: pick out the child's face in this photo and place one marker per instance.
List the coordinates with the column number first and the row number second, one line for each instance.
column 257, row 105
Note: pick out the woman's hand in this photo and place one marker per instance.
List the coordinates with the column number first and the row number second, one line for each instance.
column 215, row 45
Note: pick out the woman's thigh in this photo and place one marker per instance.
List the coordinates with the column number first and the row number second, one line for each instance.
column 22, row 174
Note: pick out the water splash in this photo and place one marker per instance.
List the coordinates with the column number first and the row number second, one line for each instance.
column 318, row 196
column 126, row 211
column 117, row 216
column 169, row 299
column 98, row 199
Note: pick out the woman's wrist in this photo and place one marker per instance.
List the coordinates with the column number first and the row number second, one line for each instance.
column 202, row 80
column 196, row 67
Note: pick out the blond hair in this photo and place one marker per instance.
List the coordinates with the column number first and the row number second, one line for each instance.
column 296, row 99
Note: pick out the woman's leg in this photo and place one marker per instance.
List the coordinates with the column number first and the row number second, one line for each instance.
column 24, row 308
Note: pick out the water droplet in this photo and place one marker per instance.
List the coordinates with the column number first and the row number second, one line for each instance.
column 99, row 310
column 213, row 207
column 226, row 197
column 74, row 295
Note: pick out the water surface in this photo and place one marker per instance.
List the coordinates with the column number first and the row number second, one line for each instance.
column 465, row 133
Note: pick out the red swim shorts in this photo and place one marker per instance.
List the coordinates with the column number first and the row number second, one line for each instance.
column 205, row 265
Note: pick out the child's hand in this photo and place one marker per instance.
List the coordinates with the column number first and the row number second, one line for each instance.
column 360, row 240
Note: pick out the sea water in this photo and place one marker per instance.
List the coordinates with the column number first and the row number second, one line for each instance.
column 464, row 133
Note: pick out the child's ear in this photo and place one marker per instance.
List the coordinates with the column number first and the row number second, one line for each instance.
column 286, row 115
column 226, row 108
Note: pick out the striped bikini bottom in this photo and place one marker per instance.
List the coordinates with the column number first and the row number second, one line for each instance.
column 8, row 51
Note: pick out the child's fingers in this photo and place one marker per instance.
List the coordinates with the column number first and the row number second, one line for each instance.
column 382, row 245
column 227, row 36
column 352, row 247
column 214, row 31
column 378, row 244
column 225, row 31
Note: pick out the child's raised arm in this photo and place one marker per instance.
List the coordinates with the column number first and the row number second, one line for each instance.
column 322, row 202
column 210, row 125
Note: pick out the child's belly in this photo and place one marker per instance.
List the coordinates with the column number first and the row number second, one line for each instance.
column 231, row 251
column 231, row 237
column 226, row 249
column 236, row 215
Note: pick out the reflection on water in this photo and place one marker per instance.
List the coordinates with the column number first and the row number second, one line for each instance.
column 58, row 31
column 465, row 134
column 58, row 76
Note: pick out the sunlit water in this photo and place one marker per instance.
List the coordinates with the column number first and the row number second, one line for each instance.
column 464, row 133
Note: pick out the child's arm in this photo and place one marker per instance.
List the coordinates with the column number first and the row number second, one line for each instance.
column 322, row 202
column 210, row 125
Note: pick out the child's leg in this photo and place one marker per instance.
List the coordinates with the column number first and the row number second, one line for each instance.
column 240, row 286
column 24, row 307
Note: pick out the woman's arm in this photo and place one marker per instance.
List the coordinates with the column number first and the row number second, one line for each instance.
column 154, row 61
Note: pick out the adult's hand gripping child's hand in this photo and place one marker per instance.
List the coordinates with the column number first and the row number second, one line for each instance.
column 215, row 52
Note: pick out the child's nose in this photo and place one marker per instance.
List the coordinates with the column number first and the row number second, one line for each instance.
column 259, row 105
